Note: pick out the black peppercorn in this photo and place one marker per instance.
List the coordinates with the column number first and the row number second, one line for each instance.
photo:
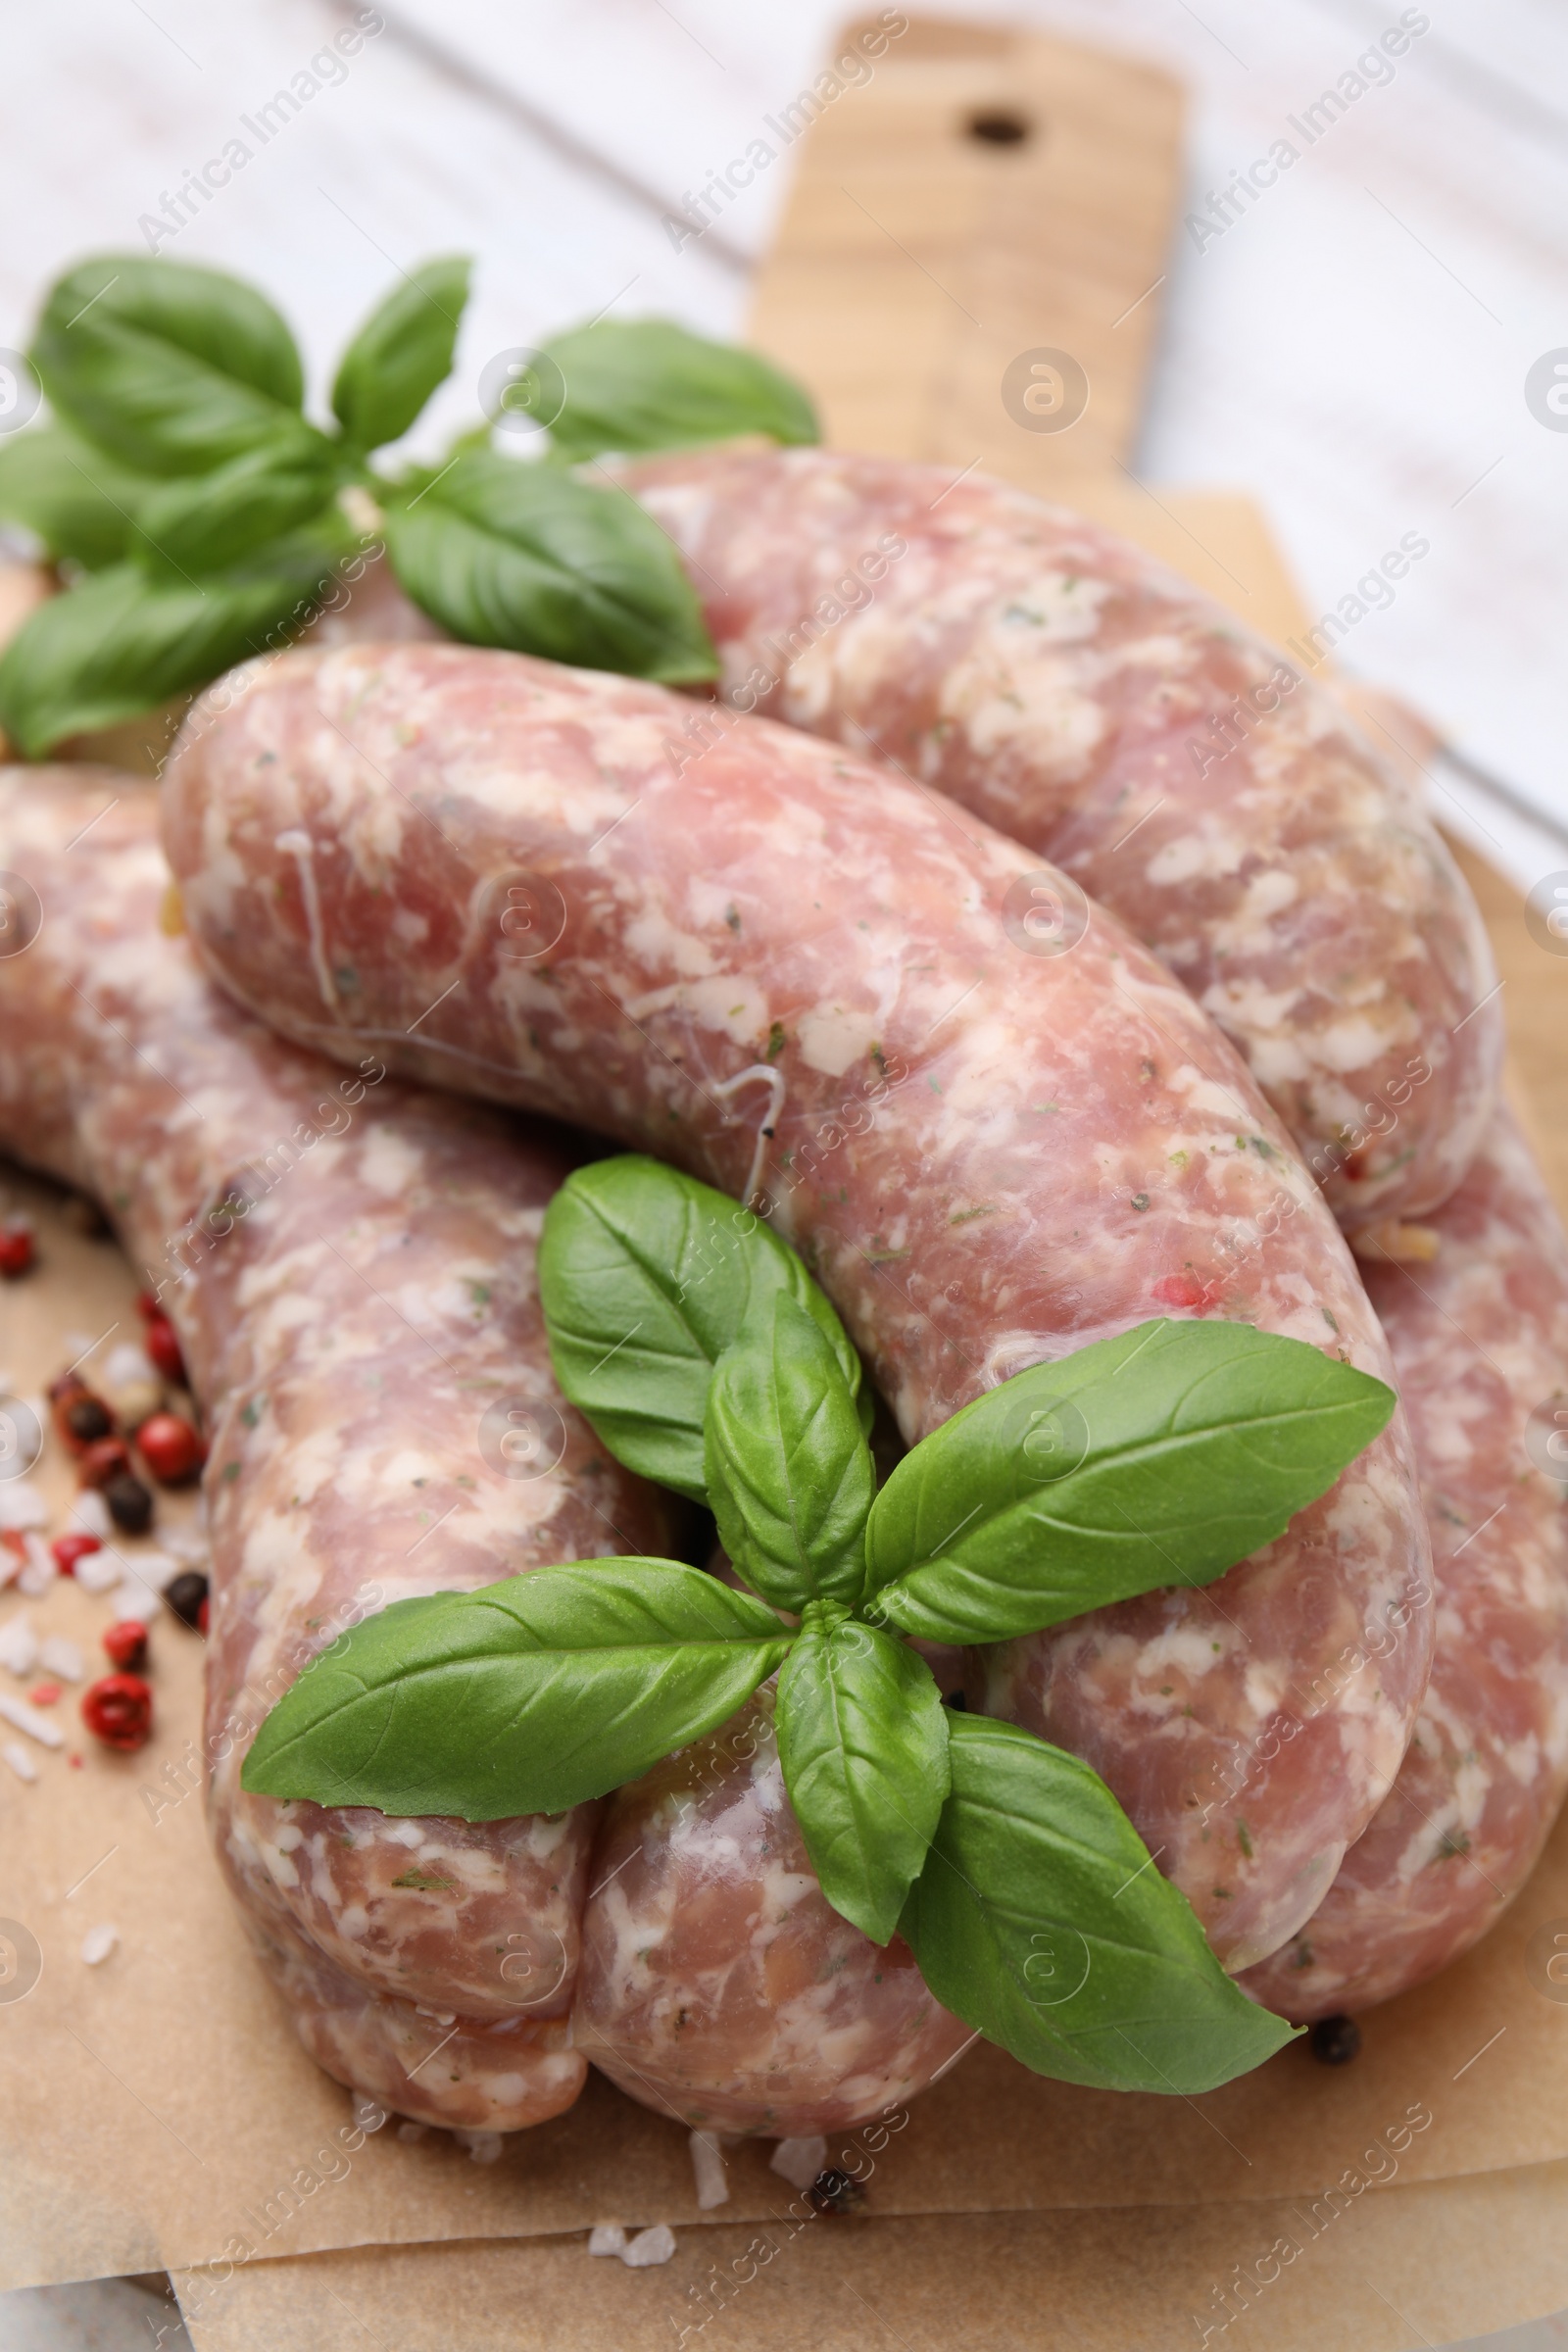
column 185, row 1596
column 87, row 1419
column 130, row 1505
column 834, row 2191
column 1335, row 2040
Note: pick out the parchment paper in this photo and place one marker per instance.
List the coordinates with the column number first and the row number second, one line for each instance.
column 156, row 2109
column 1405, row 2267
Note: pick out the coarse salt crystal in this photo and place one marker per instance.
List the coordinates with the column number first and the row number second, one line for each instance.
column 62, row 1658
column 137, row 1601
column 799, row 2161
column 710, row 2171
column 98, row 1943
column 483, row 2147
column 23, row 1718
column 155, row 1568
column 411, row 2134
column 127, row 1362
column 191, row 1549
column 650, row 2246
column 96, row 1571
column 22, row 1505
column 20, row 1763
column 606, row 2237
column 89, row 1515
column 40, row 1568
column 18, row 1644
column 369, row 2114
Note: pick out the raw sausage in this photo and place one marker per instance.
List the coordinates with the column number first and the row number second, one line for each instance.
column 1479, row 1340
column 350, row 1266
column 800, row 977
column 1077, row 694
column 718, row 1982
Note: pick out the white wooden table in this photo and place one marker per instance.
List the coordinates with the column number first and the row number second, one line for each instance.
column 1352, row 348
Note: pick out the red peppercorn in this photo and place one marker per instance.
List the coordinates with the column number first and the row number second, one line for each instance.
column 44, row 1695
column 13, row 1540
column 164, row 1348
column 125, row 1645
column 17, row 1250
column 104, row 1459
column 119, row 1711
column 171, row 1449
column 202, row 1615
column 69, row 1549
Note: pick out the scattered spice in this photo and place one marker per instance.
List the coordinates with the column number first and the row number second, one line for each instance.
column 186, row 1596
column 17, row 1250
column 105, row 1458
column 69, row 1549
column 130, row 1506
column 1335, row 2040
column 125, row 1645
column 119, row 1711
column 172, row 1450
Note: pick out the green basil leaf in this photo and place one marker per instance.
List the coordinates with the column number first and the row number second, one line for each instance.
column 169, row 367
column 646, row 1277
column 79, row 502
column 863, row 1736
column 509, row 554
column 789, row 1474
column 526, row 1697
column 205, row 522
column 1038, row 1920
column 120, row 644
column 1160, row 1457
column 647, row 384
column 401, row 354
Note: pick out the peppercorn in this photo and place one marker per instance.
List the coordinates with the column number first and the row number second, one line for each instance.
column 1335, row 2040
column 68, row 1390
column 186, row 1596
column 104, row 1459
column 162, row 1346
column 17, row 1250
column 202, row 1617
column 130, row 1506
column 119, row 1711
column 171, row 1449
column 835, row 2191
column 43, row 1695
column 84, row 1420
column 125, row 1645
column 69, row 1549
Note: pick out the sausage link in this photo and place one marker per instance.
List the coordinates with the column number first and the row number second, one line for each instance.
column 718, row 1982
column 350, row 1266
column 802, row 979
column 1479, row 1340
column 1077, row 694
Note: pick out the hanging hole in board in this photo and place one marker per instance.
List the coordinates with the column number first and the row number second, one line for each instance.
column 999, row 127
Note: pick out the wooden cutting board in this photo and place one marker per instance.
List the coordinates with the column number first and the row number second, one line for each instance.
column 991, row 194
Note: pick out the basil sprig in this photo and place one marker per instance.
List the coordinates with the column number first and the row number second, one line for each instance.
column 646, row 1278
column 181, row 462
column 704, row 1355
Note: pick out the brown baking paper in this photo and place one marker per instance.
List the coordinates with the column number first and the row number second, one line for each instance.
column 1401, row 2267
column 157, row 2111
